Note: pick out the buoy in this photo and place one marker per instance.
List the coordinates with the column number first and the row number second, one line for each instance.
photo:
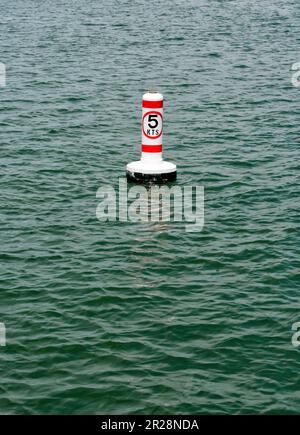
column 151, row 167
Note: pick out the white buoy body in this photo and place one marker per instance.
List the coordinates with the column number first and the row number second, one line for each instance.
column 151, row 167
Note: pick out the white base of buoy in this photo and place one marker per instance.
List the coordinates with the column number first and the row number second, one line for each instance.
column 162, row 167
column 160, row 171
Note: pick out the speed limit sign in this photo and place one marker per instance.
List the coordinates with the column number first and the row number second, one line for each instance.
column 151, row 167
column 152, row 124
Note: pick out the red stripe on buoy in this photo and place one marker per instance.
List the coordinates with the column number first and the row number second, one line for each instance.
column 153, row 104
column 151, row 148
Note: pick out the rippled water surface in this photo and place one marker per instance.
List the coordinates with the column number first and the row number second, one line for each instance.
column 143, row 317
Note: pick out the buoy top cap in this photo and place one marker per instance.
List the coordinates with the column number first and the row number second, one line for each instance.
column 153, row 96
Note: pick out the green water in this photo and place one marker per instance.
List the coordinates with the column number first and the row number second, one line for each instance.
column 145, row 317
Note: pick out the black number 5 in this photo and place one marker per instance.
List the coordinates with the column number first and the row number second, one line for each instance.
column 152, row 118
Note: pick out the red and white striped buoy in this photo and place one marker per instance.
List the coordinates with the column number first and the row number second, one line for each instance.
column 152, row 167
